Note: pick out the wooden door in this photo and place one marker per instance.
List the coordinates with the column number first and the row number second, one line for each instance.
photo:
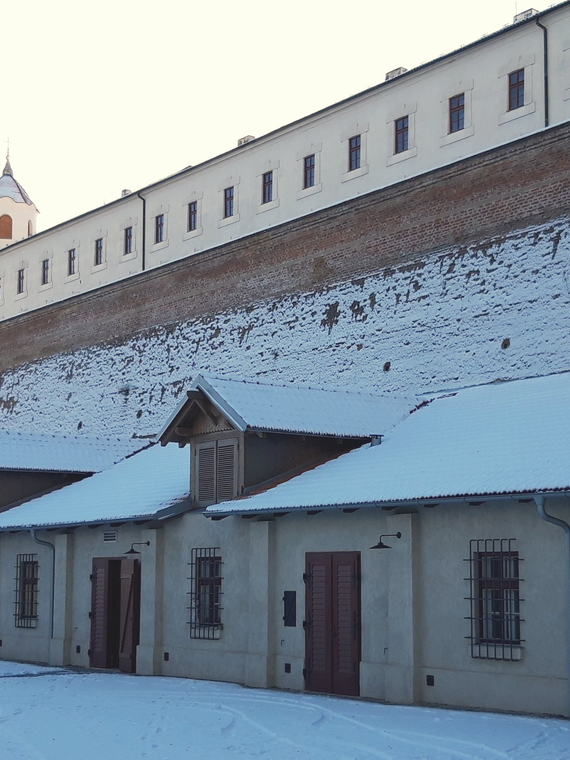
column 129, row 621
column 332, row 640
column 99, row 647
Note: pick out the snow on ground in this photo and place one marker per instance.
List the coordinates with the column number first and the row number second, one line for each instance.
column 94, row 716
column 460, row 316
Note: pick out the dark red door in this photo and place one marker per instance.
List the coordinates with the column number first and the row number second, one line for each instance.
column 115, row 613
column 332, row 640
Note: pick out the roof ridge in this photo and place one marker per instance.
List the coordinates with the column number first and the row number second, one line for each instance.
column 294, row 386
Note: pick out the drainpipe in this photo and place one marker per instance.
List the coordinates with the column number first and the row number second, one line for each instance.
column 545, row 37
column 143, row 257
column 52, row 602
column 566, row 528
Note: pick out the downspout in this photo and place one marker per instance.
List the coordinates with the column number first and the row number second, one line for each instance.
column 143, row 257
column 566, row 528
column 545, row 36
column 52, row 602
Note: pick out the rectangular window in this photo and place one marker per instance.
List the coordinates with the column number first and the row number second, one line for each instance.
column 21, row 287
column 401, row 135
column 71, row 262
column 309, row 171
column 205, row 594
column 228, row 202
column 98, row 251
column 516, row 89
column 192, row 216
column 45, row 271
column 159, row 228
column 495, row 599
column 128, row 241
column 267, row 188
column 456, row 113
column 354, row 153
column 26, row 597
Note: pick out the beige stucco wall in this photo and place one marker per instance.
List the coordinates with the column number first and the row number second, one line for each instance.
column 480, row 72
column 413, row 601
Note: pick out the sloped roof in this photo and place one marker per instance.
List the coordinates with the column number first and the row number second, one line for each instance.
column 296, row 409
column 10, row 188
column 153, row 483
column 503, row 438
column 46, row 452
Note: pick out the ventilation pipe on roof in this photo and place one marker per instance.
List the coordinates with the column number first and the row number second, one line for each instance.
column 545, row 53
column 566, row 528
column 52, row 601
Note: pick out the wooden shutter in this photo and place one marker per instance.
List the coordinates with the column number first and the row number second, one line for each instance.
column 206, row 473
column 129, row 615
column 99, row 646
column 345, row 577
column 6, row 227
column 318, row 653
column 226, row 470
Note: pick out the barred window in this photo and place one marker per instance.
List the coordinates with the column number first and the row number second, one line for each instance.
column 205, row 594
column 26, row 595
column 495, row 599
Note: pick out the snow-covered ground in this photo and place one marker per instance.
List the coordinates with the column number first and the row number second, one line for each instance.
column 48, row 714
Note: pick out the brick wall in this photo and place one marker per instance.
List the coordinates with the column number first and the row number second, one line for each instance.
column 494, row 193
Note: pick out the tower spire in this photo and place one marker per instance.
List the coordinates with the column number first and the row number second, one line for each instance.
column 8, row 168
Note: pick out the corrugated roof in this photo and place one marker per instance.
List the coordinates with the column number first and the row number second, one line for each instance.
column 296, row 409
column 510, row 437
column 138, row 487
column 46, row 452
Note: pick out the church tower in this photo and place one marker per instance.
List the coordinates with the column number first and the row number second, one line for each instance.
column 18, row 213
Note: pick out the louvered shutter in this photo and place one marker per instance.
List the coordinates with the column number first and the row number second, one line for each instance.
column 206, row 473
column 129, row 615
column 226, row 470
column 318, row 653
column 99, row 645
column 345, row 577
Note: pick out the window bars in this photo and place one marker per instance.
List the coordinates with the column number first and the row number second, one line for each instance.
column 26, row 594
column 205, row 594
column 494, row 599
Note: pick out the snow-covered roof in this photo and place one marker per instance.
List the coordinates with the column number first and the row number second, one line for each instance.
column 152, row 483
column 503, row 438
column 296, row 409
column 47, row 452
column 10, row 188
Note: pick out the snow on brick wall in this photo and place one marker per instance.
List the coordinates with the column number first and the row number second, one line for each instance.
column 498, row 309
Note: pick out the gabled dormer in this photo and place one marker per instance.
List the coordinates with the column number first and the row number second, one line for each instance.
column 245, row 436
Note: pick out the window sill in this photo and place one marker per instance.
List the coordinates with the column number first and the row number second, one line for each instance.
column 98, row 267
column 159, row 246
column 305, row 192
column 360, row 172
column 403, row 156
column 72, row 277
column 517, row 113
column 128, row 256
column 228, row 220
column 46, row 286
column 453, row 137
column 501, row 652
column 19, row 296
column 192, row 234
column 267, row 206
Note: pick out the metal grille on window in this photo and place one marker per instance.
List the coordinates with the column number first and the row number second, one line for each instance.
column 494, row 597
column 205, row 594
column 26, row 594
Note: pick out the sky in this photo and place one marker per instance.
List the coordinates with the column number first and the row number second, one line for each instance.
column 118, row 94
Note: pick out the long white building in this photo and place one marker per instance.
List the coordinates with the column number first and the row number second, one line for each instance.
column 507, row 85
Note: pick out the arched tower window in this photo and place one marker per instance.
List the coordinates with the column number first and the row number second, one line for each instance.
column 30, row 228
column 5, row 227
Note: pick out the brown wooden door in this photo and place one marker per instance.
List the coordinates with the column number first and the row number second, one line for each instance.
column 115, row 613
column 129, row 615
column 332, row 640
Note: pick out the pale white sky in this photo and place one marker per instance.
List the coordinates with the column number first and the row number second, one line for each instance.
column 117, row 94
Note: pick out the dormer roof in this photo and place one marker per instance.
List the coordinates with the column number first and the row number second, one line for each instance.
column 293, row 409
column 10, row 188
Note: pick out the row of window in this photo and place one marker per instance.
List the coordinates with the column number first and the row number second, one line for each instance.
column 456, row 123
column 494, row 580
column 6, row 227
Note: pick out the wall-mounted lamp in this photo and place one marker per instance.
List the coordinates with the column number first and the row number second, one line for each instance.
column 132, row 550
column 381, row 544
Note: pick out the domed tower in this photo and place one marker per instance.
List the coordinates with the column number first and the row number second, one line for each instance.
column 17, row 212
